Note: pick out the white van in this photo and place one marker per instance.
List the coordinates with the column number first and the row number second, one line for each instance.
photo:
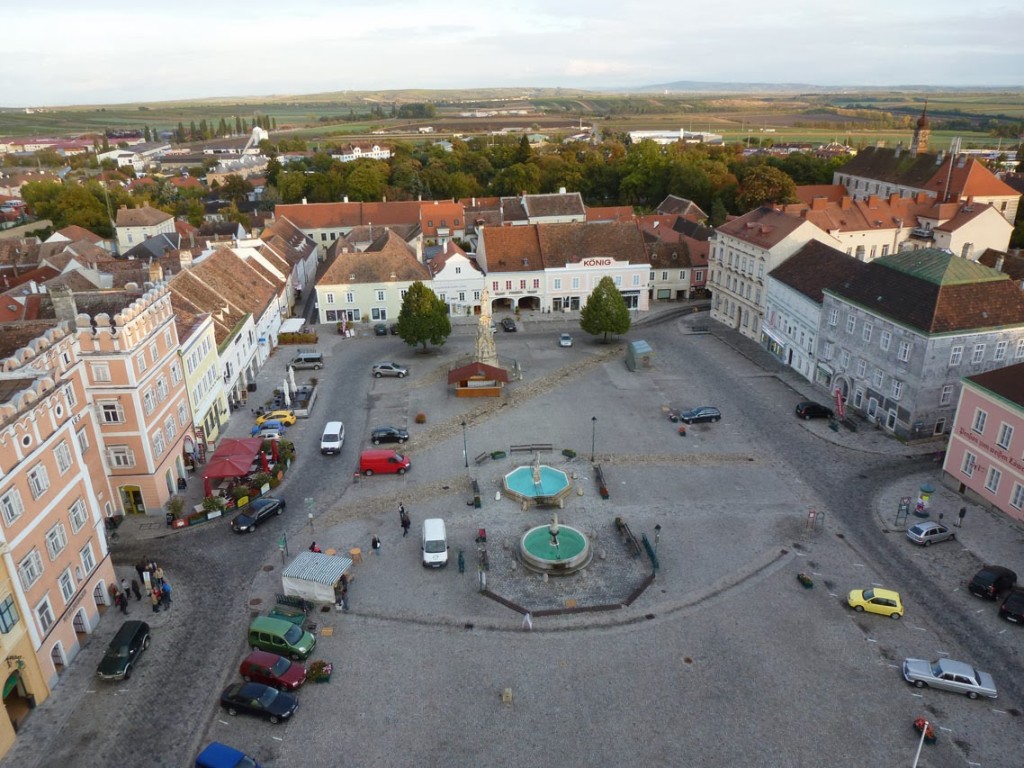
column 333, row 437
column 307, row 358
column 435, row 543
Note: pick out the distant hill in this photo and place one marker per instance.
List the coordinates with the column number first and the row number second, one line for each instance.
column 704, row 86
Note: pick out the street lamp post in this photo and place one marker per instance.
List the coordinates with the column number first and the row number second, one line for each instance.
column 465, row 447
column 593, row 436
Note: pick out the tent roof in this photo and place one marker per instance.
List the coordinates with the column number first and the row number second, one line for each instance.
column 640, row 347
column 227, row 466
column 317, row 567
column 466, row 372
column 238, row 446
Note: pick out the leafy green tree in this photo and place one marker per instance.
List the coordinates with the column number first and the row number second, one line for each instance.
column 367, row 180
column 763, row 184
column 521, row 177
column 423, row 317
column 238, row 125
column 235, row 188
column 525, row 151
column 605, row 311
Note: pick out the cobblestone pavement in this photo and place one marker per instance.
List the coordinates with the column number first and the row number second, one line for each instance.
column 723, row 660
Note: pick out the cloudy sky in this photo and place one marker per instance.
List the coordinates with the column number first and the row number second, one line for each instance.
column 108, row 51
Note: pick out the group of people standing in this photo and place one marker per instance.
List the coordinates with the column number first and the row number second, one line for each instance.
column 151, row 579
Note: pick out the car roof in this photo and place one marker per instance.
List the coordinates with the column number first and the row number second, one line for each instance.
column 388, row 428
column 926, row 525
column 998, row 570
column 879, row 592
column 263, row 657
column 955, row 667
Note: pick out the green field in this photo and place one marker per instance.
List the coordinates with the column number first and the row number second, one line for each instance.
column 980, row 119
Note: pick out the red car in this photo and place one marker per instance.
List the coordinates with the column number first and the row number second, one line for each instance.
column 273, row 670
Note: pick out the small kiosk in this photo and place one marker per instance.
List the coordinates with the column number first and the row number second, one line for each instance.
column 639, row 356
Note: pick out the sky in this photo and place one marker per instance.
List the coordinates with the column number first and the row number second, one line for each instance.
column 65, row 52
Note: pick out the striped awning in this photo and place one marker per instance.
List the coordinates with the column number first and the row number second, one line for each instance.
column 317, row 567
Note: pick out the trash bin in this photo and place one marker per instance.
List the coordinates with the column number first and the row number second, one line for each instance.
column 170, row 518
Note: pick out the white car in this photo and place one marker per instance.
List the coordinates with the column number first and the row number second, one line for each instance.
column 949, row 675
column 565, row 340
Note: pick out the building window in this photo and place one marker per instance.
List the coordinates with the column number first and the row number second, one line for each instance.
column 877, row 378
column 1016, row 501
column 350, row 297
column 968, row 464
column 169, row 429
column 904, row 352
column 153, row 354
column 851, row 324
column 83, row 440
column 111, row 412
column 121, row 456
column 67, row 584
column 380, row 295
column 9, row 613
column 826, row 351
column 182, row 414
column 1020, row 350
column 175, row 374
column 833, row 317
column 980, row 417
column 844, row 359
column 100, row 372
column 379, row 314
column 956, row 355
column 11, row 506
column 862, row 369
column 38, row 480
column 30, row 569
column 140, row 362
column 88, row 559
column 992, row 481
column 329, row 297
column 1000, row 351
column 978, row 355
column 947, row 395
column 148, row 401
column 69, row 394
column 56, row 540
column 885, row 340
column 78, row 515
column 45, row 614
column 897, row 389
column 158, row 443
column 868, row 328
column 1005, row 436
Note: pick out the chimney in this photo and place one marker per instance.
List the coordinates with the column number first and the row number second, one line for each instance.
column 846, row 203
column 817, row 204
column 872, row 201
column 893, row 198
column 156, row 272
column 64, row 307
column 185, row 258
column 999, row 263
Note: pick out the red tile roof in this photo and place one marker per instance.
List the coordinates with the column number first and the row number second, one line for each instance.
column 1007, row 383
column 763, row 227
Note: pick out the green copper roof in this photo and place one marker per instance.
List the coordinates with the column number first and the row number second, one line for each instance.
column 940, row 267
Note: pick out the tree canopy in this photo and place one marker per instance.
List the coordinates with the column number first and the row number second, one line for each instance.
column 423, row 317
column 605, row 311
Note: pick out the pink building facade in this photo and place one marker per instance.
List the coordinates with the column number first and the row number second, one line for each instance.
column 985, row 457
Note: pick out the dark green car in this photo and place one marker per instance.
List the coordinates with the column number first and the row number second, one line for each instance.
column 122, row 653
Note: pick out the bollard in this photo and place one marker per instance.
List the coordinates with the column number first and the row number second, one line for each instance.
column 462, row 562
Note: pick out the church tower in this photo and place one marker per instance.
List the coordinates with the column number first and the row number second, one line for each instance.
column 919, row 145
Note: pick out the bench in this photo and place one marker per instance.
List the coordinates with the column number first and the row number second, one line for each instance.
column 631, row 542
column 602, row 486
column 531, row 448
column 482, row 458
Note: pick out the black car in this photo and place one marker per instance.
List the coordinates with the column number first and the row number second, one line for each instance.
column 256, row 512
column 393, row 329
column 380, row 329
column 260, row 700
column 703, row 413
column 991, row 580
column 809, row 410
column 1012, row 608
column 389, row 435
column 508, row 324
column 122, row 653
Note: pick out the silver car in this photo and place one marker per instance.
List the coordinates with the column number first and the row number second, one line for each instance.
column 390, row 369
column 949, row 675
column 929, row 533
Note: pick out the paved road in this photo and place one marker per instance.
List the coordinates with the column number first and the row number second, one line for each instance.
column 724, row 661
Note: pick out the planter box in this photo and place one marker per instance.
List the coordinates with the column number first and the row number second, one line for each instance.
column 214, row 514
column 181, row 522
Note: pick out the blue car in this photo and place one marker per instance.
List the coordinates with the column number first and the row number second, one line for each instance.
column 266, row 426
column 217, row 755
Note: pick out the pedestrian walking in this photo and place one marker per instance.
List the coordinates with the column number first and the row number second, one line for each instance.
column 122, row 602
column 136, row 590
column 344, row 598
column 154, row 598
column 401, row 511
column 314, row 548
column 375, row 545
column 125, row 586
column 405, row 525
column 158, row 575
column 165, row 596
column 141, row 567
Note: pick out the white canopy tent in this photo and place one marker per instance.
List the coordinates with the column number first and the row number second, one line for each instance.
column 312, row 576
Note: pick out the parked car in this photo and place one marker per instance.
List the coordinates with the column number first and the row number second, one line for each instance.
column 930, row 532
column 508, row 325
column 380, row 329
column 808, row 410
column 393, row 329
column 390, row 369
column 269, row 424
column 1012, row 608
column 388, row 435
column 256, row 512
column 565, row 340
column 703, row 413
column 273, row 670
column 260, row 700
column 285, row 417
column 122, row 653
column 217, row 755
column 383, row 461
column 949, row 675
column 991, row 581
column 308, row 359
column 876, row 600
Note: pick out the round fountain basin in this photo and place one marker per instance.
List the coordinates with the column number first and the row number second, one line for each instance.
column 538, row 553
column 553, row 486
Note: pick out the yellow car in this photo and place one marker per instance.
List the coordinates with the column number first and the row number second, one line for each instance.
column 285, row 417
column 876, row 600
